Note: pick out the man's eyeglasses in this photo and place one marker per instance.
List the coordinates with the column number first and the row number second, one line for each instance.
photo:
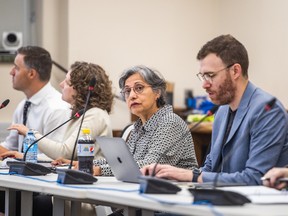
column 208, row 76
column 137, row 88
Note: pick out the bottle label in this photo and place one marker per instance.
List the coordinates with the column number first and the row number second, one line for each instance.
column 31, row 155
column 86, row 149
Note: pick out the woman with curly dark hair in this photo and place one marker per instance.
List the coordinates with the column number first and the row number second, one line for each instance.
column 74, row 91
column 80, row 76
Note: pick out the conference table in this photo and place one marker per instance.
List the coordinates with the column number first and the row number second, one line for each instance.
column 108, row 191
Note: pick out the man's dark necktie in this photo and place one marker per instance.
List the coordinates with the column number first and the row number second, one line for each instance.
column 25, row 110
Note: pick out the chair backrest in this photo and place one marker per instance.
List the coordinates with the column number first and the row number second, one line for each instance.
column 126, row 131
column 169, row 92
column 3, row 130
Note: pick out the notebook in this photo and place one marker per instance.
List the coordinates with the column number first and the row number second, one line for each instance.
column 119, row 158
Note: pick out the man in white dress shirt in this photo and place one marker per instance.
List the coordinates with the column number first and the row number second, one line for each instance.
column 45, row 110
column 31, row 74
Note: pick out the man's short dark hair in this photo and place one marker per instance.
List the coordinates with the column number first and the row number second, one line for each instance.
column 38, row 59
column 229, row 49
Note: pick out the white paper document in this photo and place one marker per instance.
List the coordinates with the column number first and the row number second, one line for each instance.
column 261, row 194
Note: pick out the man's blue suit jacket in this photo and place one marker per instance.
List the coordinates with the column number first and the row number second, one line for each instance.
column 256, row 143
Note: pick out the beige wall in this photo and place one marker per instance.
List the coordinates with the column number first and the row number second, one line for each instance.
column 7, row 92
column 163, row 34
column 261, row 25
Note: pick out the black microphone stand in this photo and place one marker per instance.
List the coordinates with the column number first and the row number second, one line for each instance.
column 77, row 115
column 70, row 176
column 32, row 169
column 5, row 103
column 153, row 185
column 210, row 112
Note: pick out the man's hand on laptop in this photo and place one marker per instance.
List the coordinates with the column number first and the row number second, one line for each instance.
column 168, row 172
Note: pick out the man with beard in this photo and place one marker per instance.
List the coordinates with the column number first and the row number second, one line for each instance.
column 247, row 139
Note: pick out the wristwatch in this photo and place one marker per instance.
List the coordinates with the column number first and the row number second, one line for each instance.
column 196, row 172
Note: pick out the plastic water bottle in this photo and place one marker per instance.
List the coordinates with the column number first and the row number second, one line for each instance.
column 86, row 151
column 31, row 155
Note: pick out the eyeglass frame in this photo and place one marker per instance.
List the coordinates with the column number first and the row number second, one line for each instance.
column 124, row 93
column 203, row 77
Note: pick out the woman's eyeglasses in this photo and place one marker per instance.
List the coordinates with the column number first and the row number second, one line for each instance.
column 138, row 89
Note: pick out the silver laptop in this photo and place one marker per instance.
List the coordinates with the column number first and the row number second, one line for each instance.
column 119, row 158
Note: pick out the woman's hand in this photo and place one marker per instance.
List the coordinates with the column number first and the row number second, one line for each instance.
column 62, row 161
column 168, row 172
column 22, row 129
column 96, row 171
column 75, row 164
column 12, row 154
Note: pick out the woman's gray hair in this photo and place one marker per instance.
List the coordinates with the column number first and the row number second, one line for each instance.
column 152, row 77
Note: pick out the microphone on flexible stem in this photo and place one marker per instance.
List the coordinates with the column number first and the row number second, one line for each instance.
column 33, row 169
column 90, row 89
column 71, row 176
column 224, row 197
column 270, row 104
column 209, row 113
column 75, row 116
column 5, row 103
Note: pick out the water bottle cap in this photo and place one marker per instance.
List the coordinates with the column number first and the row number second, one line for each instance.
column 85, row 130
column 30, row 132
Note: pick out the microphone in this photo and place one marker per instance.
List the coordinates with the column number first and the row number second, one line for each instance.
column 221, row 197
column 75, row 116
column 209, row 113
column 90, row 89
column 270, row 104
column 70, row 176
column 28, row 168
column 154, row 185
column 5, row 103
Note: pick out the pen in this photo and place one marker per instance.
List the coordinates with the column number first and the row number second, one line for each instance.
column 278, row 180
column 265, row 179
